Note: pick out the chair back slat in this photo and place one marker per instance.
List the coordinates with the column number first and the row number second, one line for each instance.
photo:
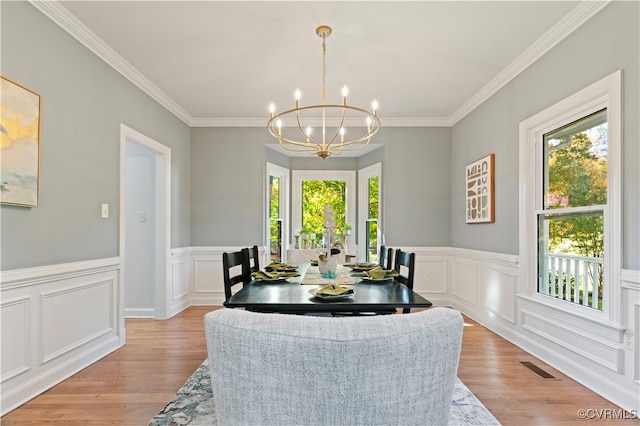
column 231, row 273
column 386, row 257
column 253, row 257
column 405, row 265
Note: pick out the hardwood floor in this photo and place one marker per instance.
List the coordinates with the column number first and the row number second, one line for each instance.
column 129, row 386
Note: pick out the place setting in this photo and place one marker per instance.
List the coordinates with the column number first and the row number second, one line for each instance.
column 276, row 273
column 361, row 266
column 332, row 292
column 376, row 275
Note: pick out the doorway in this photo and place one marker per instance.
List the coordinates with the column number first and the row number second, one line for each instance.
column 145, row 194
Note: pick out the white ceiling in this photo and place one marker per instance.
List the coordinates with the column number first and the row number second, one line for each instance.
column 218, row 63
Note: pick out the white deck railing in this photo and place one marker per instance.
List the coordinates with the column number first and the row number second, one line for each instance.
column 575, row 279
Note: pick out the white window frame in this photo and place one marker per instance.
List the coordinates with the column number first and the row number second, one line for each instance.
column 298, row 176
column 283, row 174
column 363, row 207
column 605, row 93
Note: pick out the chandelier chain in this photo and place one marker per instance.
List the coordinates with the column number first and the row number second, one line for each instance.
column 324, row 67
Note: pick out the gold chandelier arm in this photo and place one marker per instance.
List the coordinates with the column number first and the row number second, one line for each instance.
column 373, row 127
column 335, row 135
column 328, row 114
column 303, row 131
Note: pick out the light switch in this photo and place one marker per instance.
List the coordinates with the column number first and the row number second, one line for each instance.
column 142, row 216
column 105, row 210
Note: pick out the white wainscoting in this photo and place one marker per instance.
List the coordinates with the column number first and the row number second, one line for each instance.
column 180, row 286
column 62, row 318
column 56, row 320
column 432, row 273
column 603, row 357
column 206, row 285
column 484, row 284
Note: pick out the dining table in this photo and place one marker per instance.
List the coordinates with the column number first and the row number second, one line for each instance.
column 297, row 294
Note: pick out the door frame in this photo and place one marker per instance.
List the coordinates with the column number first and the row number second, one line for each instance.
column 162, row 214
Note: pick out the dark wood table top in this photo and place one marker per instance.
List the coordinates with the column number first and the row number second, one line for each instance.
column 292, row 296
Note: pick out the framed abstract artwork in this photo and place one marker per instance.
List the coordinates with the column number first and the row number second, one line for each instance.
column 20, row 145
column 480, row 197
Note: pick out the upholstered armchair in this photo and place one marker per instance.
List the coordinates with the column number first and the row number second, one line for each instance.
column 274, row 369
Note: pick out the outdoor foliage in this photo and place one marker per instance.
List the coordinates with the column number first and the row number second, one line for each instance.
column 577, row 177
column 372, row 223
column 317, row 193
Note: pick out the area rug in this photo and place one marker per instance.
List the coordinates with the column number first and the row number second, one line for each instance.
column 192, row 405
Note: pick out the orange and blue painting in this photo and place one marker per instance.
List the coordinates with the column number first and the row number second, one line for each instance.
column 20, row 145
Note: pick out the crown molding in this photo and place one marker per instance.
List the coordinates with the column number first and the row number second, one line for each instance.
column 68, row 22
column 567, row 25
column 54, row 10
column 262, row 122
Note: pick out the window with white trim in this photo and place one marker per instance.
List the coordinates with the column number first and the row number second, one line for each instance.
column 570, row 218
column 369, row 207
column 277, row 201
column 338, row 188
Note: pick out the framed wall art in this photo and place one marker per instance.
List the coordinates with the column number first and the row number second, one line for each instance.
column 480, row 198
column 20, row 145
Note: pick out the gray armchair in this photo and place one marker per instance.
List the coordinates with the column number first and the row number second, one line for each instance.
column 273, row 369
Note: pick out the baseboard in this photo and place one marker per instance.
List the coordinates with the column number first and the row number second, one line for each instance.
column 139, row 312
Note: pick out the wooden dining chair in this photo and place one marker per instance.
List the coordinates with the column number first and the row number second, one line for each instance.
column 385, row 261
column 254, row 259
column 405, row 265
column 386, row 257
column 235, row 269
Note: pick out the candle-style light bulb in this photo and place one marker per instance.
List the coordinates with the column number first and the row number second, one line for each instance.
column 272, row 109
column 369, row 121
column 374, row 105
column 341, row 134
column 345, row 91
column 308, row 132
column 297, row 94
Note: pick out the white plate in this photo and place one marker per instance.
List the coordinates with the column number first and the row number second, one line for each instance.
column 331, row 296
column 272, row 280
column 285, row 269
column 376, row 280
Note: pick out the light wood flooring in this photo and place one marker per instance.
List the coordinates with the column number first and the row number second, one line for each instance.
column 129, row 386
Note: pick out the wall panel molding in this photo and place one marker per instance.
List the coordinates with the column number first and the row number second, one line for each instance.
column 605, row 353
column 60, row 331
column 15, row 316
column 67, row 316
column 180, row 286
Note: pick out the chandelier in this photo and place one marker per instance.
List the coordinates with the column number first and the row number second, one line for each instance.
column 295, row 131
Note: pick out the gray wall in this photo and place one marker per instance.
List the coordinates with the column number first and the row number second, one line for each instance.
column 228, row 184
column 218, row 173
column 83, row 102
column 416, row 179
column 607, row 42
